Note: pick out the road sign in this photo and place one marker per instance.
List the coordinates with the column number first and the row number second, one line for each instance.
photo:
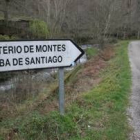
column 24, row 55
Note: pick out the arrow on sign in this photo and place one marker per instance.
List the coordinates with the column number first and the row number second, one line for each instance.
column 24, row 55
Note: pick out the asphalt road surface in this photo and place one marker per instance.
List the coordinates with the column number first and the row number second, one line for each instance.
column 134, row 110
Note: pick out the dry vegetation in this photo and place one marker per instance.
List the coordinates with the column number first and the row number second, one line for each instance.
column 26, row 98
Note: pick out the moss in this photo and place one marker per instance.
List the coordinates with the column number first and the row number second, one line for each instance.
column 6, row 37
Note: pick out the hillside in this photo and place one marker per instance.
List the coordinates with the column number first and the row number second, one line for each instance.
column 95, row 105
column 93, row 21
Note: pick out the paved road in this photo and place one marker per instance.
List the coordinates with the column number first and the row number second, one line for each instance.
column 134, row 110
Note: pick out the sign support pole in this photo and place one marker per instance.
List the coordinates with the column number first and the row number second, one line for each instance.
column 61, row 91
column 37, row 54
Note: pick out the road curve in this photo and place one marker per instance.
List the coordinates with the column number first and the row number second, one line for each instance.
column 134, row 109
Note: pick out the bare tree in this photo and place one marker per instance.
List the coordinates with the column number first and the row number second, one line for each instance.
column 97, row 19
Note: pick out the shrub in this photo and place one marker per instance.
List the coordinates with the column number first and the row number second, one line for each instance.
column 38, row 29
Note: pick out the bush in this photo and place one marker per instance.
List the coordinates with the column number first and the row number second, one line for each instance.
column 38, row 29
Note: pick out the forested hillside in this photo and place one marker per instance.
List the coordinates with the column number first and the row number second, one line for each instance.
column 90, row 20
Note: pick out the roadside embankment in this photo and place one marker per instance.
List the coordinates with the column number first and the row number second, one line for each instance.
column 97, row 97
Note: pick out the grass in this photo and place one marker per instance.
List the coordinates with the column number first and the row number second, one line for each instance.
column 99, row 114
column 109, row 100
column 91, row 52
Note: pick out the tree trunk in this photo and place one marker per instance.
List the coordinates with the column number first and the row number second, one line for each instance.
column 6, row 12
column 138, row 35
column 124, row 35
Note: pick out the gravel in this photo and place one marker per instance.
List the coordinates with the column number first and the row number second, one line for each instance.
column 134, row 109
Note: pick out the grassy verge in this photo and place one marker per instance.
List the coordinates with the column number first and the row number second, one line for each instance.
column 99, row 114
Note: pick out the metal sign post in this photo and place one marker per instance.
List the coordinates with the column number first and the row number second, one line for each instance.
column 61, row 91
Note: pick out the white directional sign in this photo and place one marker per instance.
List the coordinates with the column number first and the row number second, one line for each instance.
column 24, row 55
